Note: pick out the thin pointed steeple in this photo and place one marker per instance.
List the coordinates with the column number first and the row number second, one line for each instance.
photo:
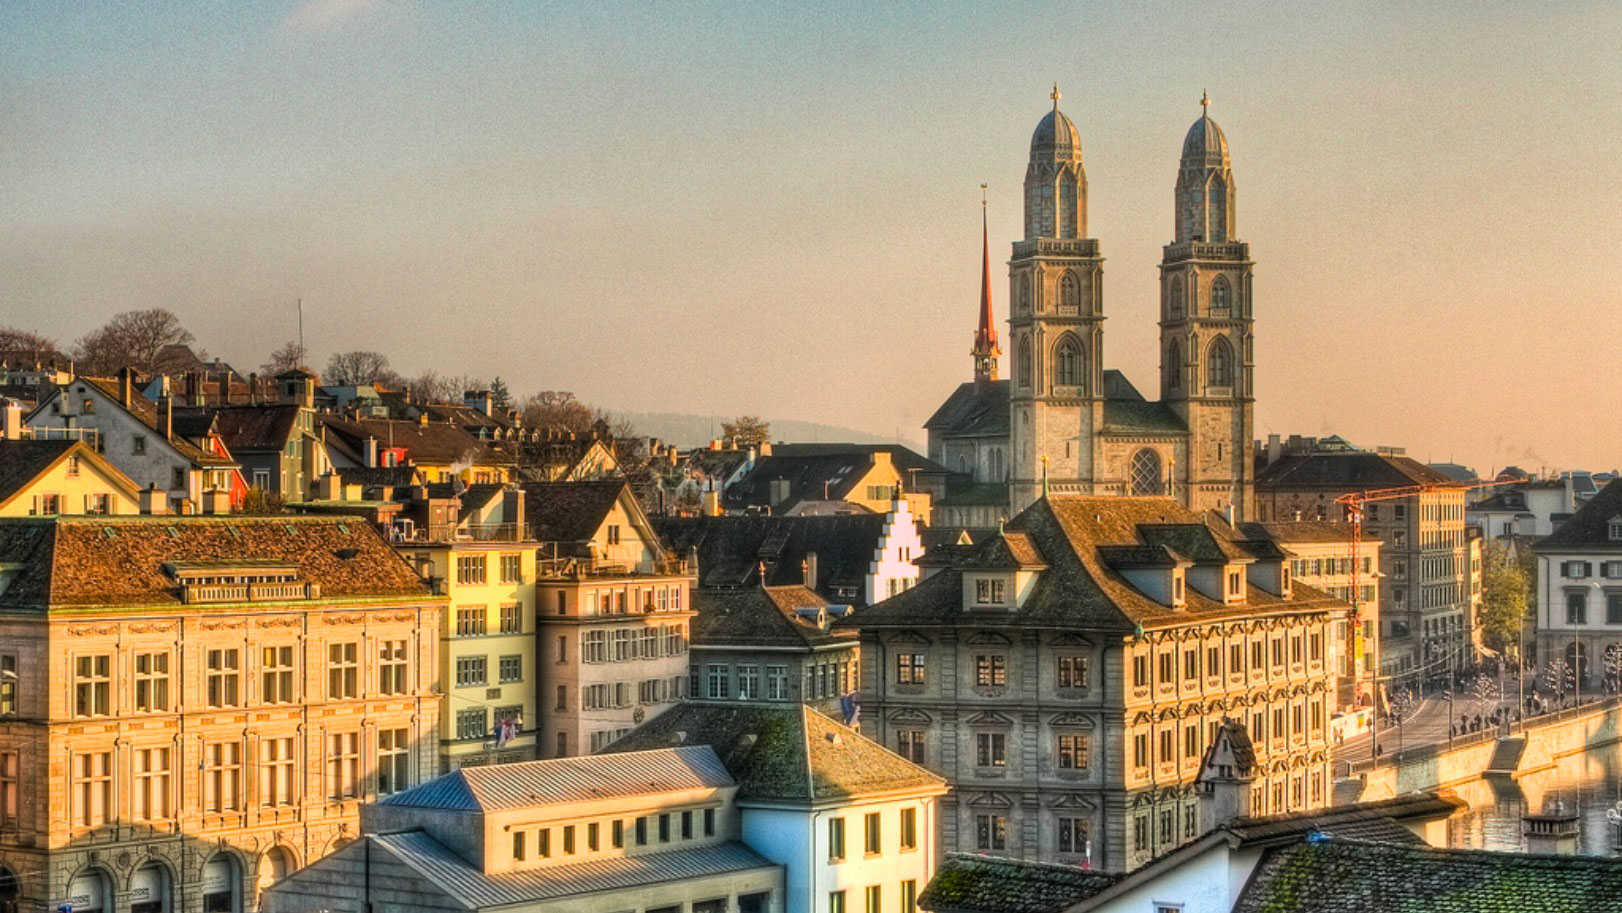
column 986, row 349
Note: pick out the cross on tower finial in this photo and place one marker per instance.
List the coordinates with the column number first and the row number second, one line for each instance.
column 1055, row 96
column 982, row 196
column 1205, row 101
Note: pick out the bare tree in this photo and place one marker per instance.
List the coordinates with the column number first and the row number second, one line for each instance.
column 142, row 340
column 289, row 356
column 557, row 410
column 348, row 369
column 747, row 429
column 434, row 387
column 20, row 348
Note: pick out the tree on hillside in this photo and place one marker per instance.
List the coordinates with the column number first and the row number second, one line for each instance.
column 289, row 356
column 348, row 369
column 434, row 387
column 21, row 348
column 1504, row 588
column 503, row 397
column 557, row 410
column 747, row 429
column 134, row 339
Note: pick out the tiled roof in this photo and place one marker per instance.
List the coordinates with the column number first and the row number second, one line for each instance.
column 22, row 461
column 731, row 550
column 1287, row 531
column 973, row 410
column 1589, row 527
column 477, row 890
column 389, row 477
column 990, row 884
column 783, row 752
column 1501, row 500
column 561, row 780
column 1127, row 417
column 1011, row 550
column 1357, row 470
column 818, row 472
column 570, row 511
column 1079, row 588
column 424, row 442
column 118, row 561
column 759, row 617
column 1340, row 820
column 978, row 494
column 1333, row 876
column 146, row 411
column 253, row 429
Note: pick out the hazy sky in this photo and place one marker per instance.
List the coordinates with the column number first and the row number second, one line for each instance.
column 775, row 209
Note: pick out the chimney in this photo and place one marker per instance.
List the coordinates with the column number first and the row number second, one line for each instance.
column 11, row 421
column 253, row 388
column 166, row 416
column 1275, row 449
column 126, row 386
column 368, row 452
column 154, row 501
column 217, row 501
column 711, row 503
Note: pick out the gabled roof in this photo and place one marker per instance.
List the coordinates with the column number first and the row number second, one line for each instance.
column 424, row 442
column 1304, row 531
column 1589, row 527
column 527, row 784
column 571, row 511
column 21, row 462
column 967, row 883
column 476, row 890
column 821, row 472
column 145, row 411
column 732, row 548
column 1357, row 470
column 1502, row 500
column 1079, row 588
column 252, row 429
column 1130, row 417
column 783, row 752
column 760, row 617
column 975, row 409
column 119, row 560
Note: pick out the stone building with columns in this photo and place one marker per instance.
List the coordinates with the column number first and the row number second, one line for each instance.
column 193, row 707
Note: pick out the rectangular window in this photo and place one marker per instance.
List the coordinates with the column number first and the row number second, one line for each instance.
column 1074, row 752
column 709, row 822
column 776, row 683
column 1072, row 672
column 222, row 677
column 748, row 682
column 391, row 668
column 991, row 749
column 471, row 621
column 518, row 846
column 343, row 671
column 624, row 648
column 151, row 682
column 510, row 668
column 92, row 685
column 990, row 832
column 276, row 675
column 616, row 834
column 613, row 534
column 343, row 765
column 642, row 831
column 1140, row 750
column 9, row 774
column 872, row 836
column 836, row 902
column 471, row 671
column 1074, row 835
column 716, row 681
column 909, row 896
column 991, row 670
column 92, row 788
column 591, row 837
column 687, row 825
column 1168, row 746
column 543, row 842
column 512, row 618
column 276, row 772
column 873, row 896
column 836, row 839
column 568, row 840
column 473, row 723
column 222, row 777
column 664, row 828
column 470, row 569
column 512, row 568
column 1576, row 608
column 909, row 668
column 988, row 591
column 909, row 743
column 97, row 504
column 393, row 760
column 909, row 829
column 1140, row 671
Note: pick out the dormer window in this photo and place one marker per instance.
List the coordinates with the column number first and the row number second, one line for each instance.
column 988, row 591
column 1614, row 529
column 1177, row 587
column 1235, row 584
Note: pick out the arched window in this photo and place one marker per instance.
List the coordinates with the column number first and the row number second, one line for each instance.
column 1069, row 290
column 1024, row 294
column 1067, row 363
column 1175, row 305
column 1145, row 474
column 1174, row 365
column 1220, row 296
column 1024, row 359
column 1217, row 213
column 1219, row 364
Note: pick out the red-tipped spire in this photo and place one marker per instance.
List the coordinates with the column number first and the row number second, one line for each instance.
column 985, row 338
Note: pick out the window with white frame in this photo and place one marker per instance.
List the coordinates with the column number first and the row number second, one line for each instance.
column 393, row 760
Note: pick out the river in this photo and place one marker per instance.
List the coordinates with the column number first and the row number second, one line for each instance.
column 1592, row 780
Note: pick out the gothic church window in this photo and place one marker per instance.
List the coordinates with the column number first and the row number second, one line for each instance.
column 1024, row 295
column 1024, row 359
column 1175, row 305
column 1174, row 365
column 1069, row 290
column 1067, row 364
column 1220, row 303
column 1219, row 364
column 1145, row 478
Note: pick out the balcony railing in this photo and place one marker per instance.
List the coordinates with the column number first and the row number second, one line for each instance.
column 586, row 568
column 467, row 532
column 196, row 593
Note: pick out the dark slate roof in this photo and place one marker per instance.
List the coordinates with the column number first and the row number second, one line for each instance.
column 468, row 418
column 559, row 780
column 118, row 561
column 1357, row 470
column 975, row 494
column 21, row 462
column 1455, row 471
column 990, row 884
column 477, row 890
column 379, row 476
column 424, row 442
column 1505, row 499
column 812, row 469
column 973, row 410
column 254, row 429
column 1079, row 588
column 761, row 617
column 146, row 411
column 1117, row 387
column 782, row 752
column 1333, row 876
column 570, row 511
column 716, row 463
column 1589, row 527
column 731, row 549
column 1129, row 417
column 1287, row 531
column 1344, row 820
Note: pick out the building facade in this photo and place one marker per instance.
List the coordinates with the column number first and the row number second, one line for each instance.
column 1579, row 595
column 771, row 644
column 191, row 708
column 1068, row 676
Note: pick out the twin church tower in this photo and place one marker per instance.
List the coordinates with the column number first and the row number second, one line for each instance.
column 1061, row 422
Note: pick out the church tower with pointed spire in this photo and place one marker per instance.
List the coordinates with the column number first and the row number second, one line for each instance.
column 1056, row 317
column 985, row 350
column 1206, row 328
